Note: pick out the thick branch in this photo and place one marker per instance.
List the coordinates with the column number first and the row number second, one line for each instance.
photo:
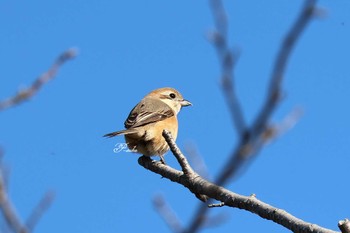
column 197, row 184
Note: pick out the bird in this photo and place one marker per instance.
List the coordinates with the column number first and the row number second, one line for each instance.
column 144, row 126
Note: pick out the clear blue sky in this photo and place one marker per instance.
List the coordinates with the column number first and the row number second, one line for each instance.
column 128, row 48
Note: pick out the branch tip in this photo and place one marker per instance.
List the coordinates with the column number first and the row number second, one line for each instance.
column 344, row 225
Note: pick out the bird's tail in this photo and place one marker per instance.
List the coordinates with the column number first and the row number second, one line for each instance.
column 113, row 134
column 121, row 132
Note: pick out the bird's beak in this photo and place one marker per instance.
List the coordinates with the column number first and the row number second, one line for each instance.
column 185, row 103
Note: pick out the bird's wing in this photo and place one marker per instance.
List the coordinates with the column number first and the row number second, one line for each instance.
column 149, row 110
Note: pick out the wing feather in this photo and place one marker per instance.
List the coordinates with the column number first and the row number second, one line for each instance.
column 149, row 110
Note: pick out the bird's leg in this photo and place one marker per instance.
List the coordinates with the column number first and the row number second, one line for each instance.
column 162, row 160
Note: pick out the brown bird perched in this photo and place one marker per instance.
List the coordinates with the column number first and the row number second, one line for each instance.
column 147, row 120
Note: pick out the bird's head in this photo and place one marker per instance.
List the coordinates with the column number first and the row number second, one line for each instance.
column 171, row 97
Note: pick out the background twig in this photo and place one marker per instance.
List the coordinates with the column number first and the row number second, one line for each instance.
column 227, row 61
column 28, row 92
column 8, row 210
column 167, row 214
column 39, row 210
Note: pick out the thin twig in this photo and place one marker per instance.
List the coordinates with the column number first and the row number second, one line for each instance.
column 276, row 130
column 186, row 168
column 220, row 204
column 29, row 92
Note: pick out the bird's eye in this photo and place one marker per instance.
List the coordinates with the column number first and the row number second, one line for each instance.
column 172, row 95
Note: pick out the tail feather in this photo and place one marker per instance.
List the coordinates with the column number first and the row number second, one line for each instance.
column 113, row 134
column 121, row 132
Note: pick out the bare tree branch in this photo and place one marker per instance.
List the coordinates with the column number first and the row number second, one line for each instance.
column 197, row 185
column 29, row 92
